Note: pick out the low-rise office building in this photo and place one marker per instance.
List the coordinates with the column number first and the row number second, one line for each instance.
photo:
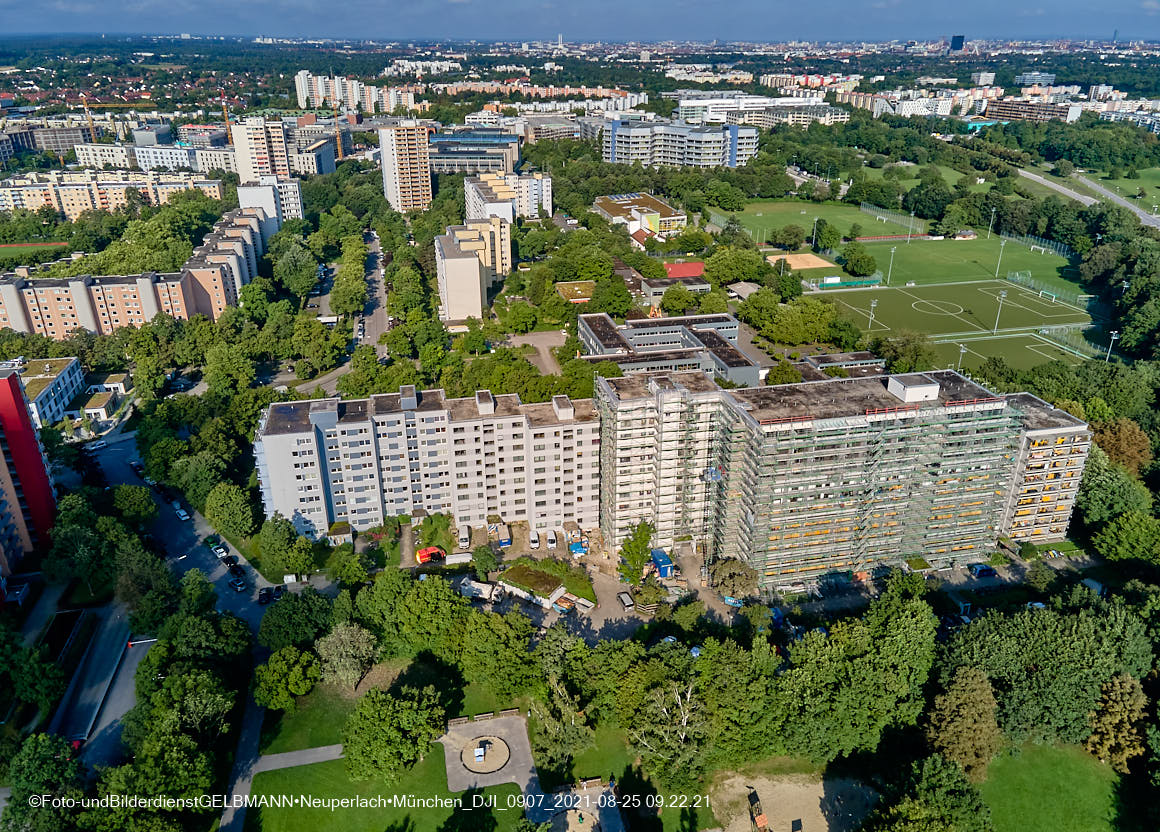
column 706, row 343
column 804, row 480
column 641, row 211
column 361, row 461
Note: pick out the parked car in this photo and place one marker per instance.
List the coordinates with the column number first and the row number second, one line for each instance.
column 551, row 538
column 279, row 591
column 237, row 571
column 183, row 515
column 430, row 554
column 981, row 570
column 533, row 539
column 265, row 595
column 238, row 585
column 230, row 560
column 464, row 537
column 626, row 601
column 96, row 446
column 221, row 551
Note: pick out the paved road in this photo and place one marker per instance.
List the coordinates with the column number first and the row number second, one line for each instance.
column 103, row 747
column 544, row 342
column 1083, row 199
column 86, row 691
column 375, row 313
column 304, row 757
column 1146, row 218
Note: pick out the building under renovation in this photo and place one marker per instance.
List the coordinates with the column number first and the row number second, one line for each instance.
column 842, row 475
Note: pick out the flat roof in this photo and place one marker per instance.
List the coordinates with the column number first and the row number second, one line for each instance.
column 1039, row 415
column 622, row 205
column 604, row 329
column 667, row 282
column 845, row 359
column 690, row 321
column 722, row 348
column 576, row 289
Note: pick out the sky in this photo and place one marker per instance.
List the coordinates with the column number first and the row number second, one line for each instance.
column 612, row 20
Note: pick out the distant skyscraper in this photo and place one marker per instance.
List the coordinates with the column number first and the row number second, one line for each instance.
column 559, row 41
column 957, row 42
column 406, row 165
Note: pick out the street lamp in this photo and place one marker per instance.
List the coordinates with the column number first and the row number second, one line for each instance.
column 991, row 223
column 962, row 352
column 1002, row 297
column 1111, row 343
column 870, row 326
column 814, row 243
column 1002, row 245
column 890, row 270
column 909, row 228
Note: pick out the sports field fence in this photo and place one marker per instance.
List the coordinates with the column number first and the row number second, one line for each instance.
column 1041, row 244
column 1080, row 340
column 915, row 224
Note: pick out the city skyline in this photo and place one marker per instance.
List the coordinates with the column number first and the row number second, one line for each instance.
column 601, row 20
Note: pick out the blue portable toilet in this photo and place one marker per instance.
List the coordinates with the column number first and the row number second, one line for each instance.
column 663, row 563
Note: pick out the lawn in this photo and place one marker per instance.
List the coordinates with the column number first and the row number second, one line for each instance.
column 1050, row 789
column 949, row 175
column 322, row 781
column 1149, row 180
column 318, row 720
column 953, row 261
column 760, row 217
column 543, row 576
column 955, row 310
column 1022, row 352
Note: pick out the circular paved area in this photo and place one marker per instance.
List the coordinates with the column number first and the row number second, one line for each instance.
column 495, row 755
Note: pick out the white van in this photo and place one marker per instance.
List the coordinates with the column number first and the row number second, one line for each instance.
column 533, row 539
column 464, row 537
column 551, row 538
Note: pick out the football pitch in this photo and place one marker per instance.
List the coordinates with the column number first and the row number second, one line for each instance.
column 956, row 310
column 759, row 218
column 1021, row 351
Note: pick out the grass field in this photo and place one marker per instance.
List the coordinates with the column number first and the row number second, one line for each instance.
column 952, row 310
column 952, row 261
column 759, row 217
column 319, row 719
column 1020, row 351
column 949, row 175
column 1050, row 789
column 1149, row 180
column 428, row 779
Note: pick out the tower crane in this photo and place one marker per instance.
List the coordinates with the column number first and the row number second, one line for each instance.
column 89, row 117
column 226, row 116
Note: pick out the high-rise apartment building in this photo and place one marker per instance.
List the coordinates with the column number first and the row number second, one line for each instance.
column 97, row 156
column 27, row 495
column 660, row 144
column 360, row 461
column 50, row 384
column 464, row 284
column 406, row 165
column 508, row 196
column 805, row 479
column 260, row 149
column 279, row 199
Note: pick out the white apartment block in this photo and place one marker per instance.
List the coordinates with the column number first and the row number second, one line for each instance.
column 121, row 156
column 463, row 282
column 315, row 159
column 74, row 192
column 215, row 158
column 165, row 157
column 360, row 461
column 508, row 196
column 406, row 162
column 321, row 91
column 260, row 149
column 695, row 107
column 661, row 144
column 279, row 199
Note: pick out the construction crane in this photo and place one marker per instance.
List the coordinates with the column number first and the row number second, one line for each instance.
column 337, row 136
column 89, row 116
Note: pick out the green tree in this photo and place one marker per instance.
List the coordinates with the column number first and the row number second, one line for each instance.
column 44, row 765
column 857, row 261
column 388, row 734
column 671, row 740
column 963, row 726
column 288, row 673
column 1108, row 490
column 1040, row 576
column 789, row 237
column 1118, row 723
column 1132, row 535
column 346, row 566
column 135, row 503
column 346, row 653
column 905, row 352
column 495, row 652
column 296, row 619
column 297, row 271
column 275, row 538
column 228, row 509
column 227, row 370
column 677, row 299
column 635, row 552
column 936, row 798
column 561, row 729
column 733, row 577
column 483, row 561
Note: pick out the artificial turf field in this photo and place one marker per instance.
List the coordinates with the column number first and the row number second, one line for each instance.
column 955, row 310
column 1022, row 351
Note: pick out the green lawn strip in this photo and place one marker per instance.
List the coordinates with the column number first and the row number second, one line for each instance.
column 778, row 213
column 329, row 780
column 1050, row 789
column 318, row 720
column 543, row 576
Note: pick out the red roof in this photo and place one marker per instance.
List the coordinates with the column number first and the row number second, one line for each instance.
column 641, row 235
column 693, row 269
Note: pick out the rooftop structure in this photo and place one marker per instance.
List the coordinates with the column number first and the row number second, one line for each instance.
column 640, row 211
column 49, row 384
column 692, row 342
